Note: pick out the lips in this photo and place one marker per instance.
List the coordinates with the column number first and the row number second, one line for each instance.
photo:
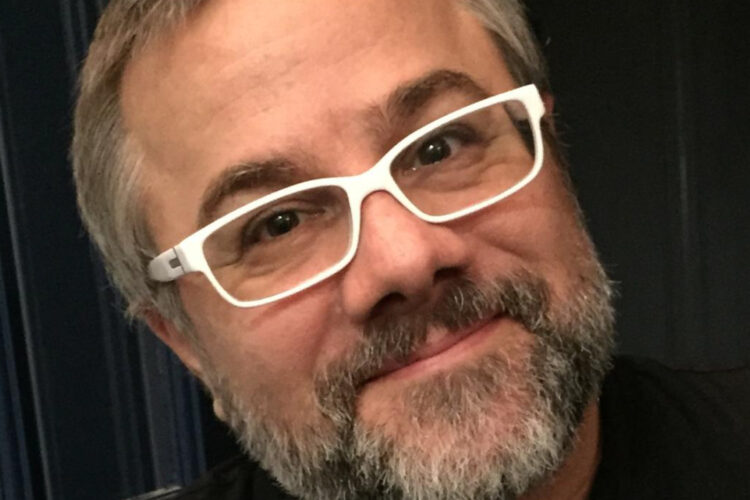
column 438, row 341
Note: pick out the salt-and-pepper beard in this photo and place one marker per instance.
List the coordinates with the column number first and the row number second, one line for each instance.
column 571, row 350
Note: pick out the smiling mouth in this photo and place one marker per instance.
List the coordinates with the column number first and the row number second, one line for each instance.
column 438, row 345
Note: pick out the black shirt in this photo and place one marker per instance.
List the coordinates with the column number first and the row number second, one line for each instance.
column 674, row 434
column 666, row 434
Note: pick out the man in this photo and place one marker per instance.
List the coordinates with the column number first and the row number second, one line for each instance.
column 352, row 221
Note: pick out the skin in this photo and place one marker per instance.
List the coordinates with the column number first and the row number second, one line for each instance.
column 243, row 79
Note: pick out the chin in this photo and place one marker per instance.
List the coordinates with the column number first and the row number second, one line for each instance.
column 484, row 377
column 481, row 425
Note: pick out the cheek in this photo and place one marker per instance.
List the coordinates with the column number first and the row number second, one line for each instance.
column 269, row 355
column 537, row 229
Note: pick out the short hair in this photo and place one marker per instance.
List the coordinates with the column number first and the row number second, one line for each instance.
column 107, row 164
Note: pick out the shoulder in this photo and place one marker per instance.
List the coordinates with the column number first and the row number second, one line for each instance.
column 683, row 433
column 238, row 478
column 715, row 394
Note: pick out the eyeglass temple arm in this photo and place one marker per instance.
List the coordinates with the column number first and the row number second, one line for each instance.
column 166, row 267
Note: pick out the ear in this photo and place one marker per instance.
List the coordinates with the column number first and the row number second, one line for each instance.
column 183, row 347
column 549, row 111
column 180, row 344
column 549, row 103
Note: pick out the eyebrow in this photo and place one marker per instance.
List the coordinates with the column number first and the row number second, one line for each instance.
column 408, row 98
column 279, row 172
column 274, row 173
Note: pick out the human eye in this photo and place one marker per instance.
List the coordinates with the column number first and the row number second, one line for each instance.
column 278, row 232
column 275, row 224
column 443, row 145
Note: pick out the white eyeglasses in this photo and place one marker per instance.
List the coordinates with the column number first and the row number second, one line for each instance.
column 289, row 240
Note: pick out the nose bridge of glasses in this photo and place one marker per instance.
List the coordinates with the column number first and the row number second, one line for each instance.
column 377, row 178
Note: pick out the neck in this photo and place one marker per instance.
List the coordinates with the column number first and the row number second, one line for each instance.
column 573, row 480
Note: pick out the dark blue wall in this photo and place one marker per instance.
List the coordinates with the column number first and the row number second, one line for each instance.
column 90, row 407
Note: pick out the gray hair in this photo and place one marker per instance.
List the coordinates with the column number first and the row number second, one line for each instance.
column 106, row 163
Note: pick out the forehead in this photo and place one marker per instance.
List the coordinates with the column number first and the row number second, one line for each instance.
column 248, row 77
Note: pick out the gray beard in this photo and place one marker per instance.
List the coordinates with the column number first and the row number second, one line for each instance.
column 570, row 355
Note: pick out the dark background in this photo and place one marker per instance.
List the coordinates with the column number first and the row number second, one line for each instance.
column 653, row 98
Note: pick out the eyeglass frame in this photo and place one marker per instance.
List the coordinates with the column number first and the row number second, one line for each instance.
column 188, row 255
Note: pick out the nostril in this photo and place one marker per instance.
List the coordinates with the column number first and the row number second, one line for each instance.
column 447, row 274
column 393, row 303
column 399, row 303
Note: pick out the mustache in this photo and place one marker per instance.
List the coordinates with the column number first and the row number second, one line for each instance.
column 521, row 296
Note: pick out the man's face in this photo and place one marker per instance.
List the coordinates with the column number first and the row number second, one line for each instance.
column 437, row 347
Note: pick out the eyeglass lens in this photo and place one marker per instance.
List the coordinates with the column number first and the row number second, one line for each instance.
column 284, row 243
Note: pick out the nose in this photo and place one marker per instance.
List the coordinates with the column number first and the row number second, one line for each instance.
column 400, row 259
